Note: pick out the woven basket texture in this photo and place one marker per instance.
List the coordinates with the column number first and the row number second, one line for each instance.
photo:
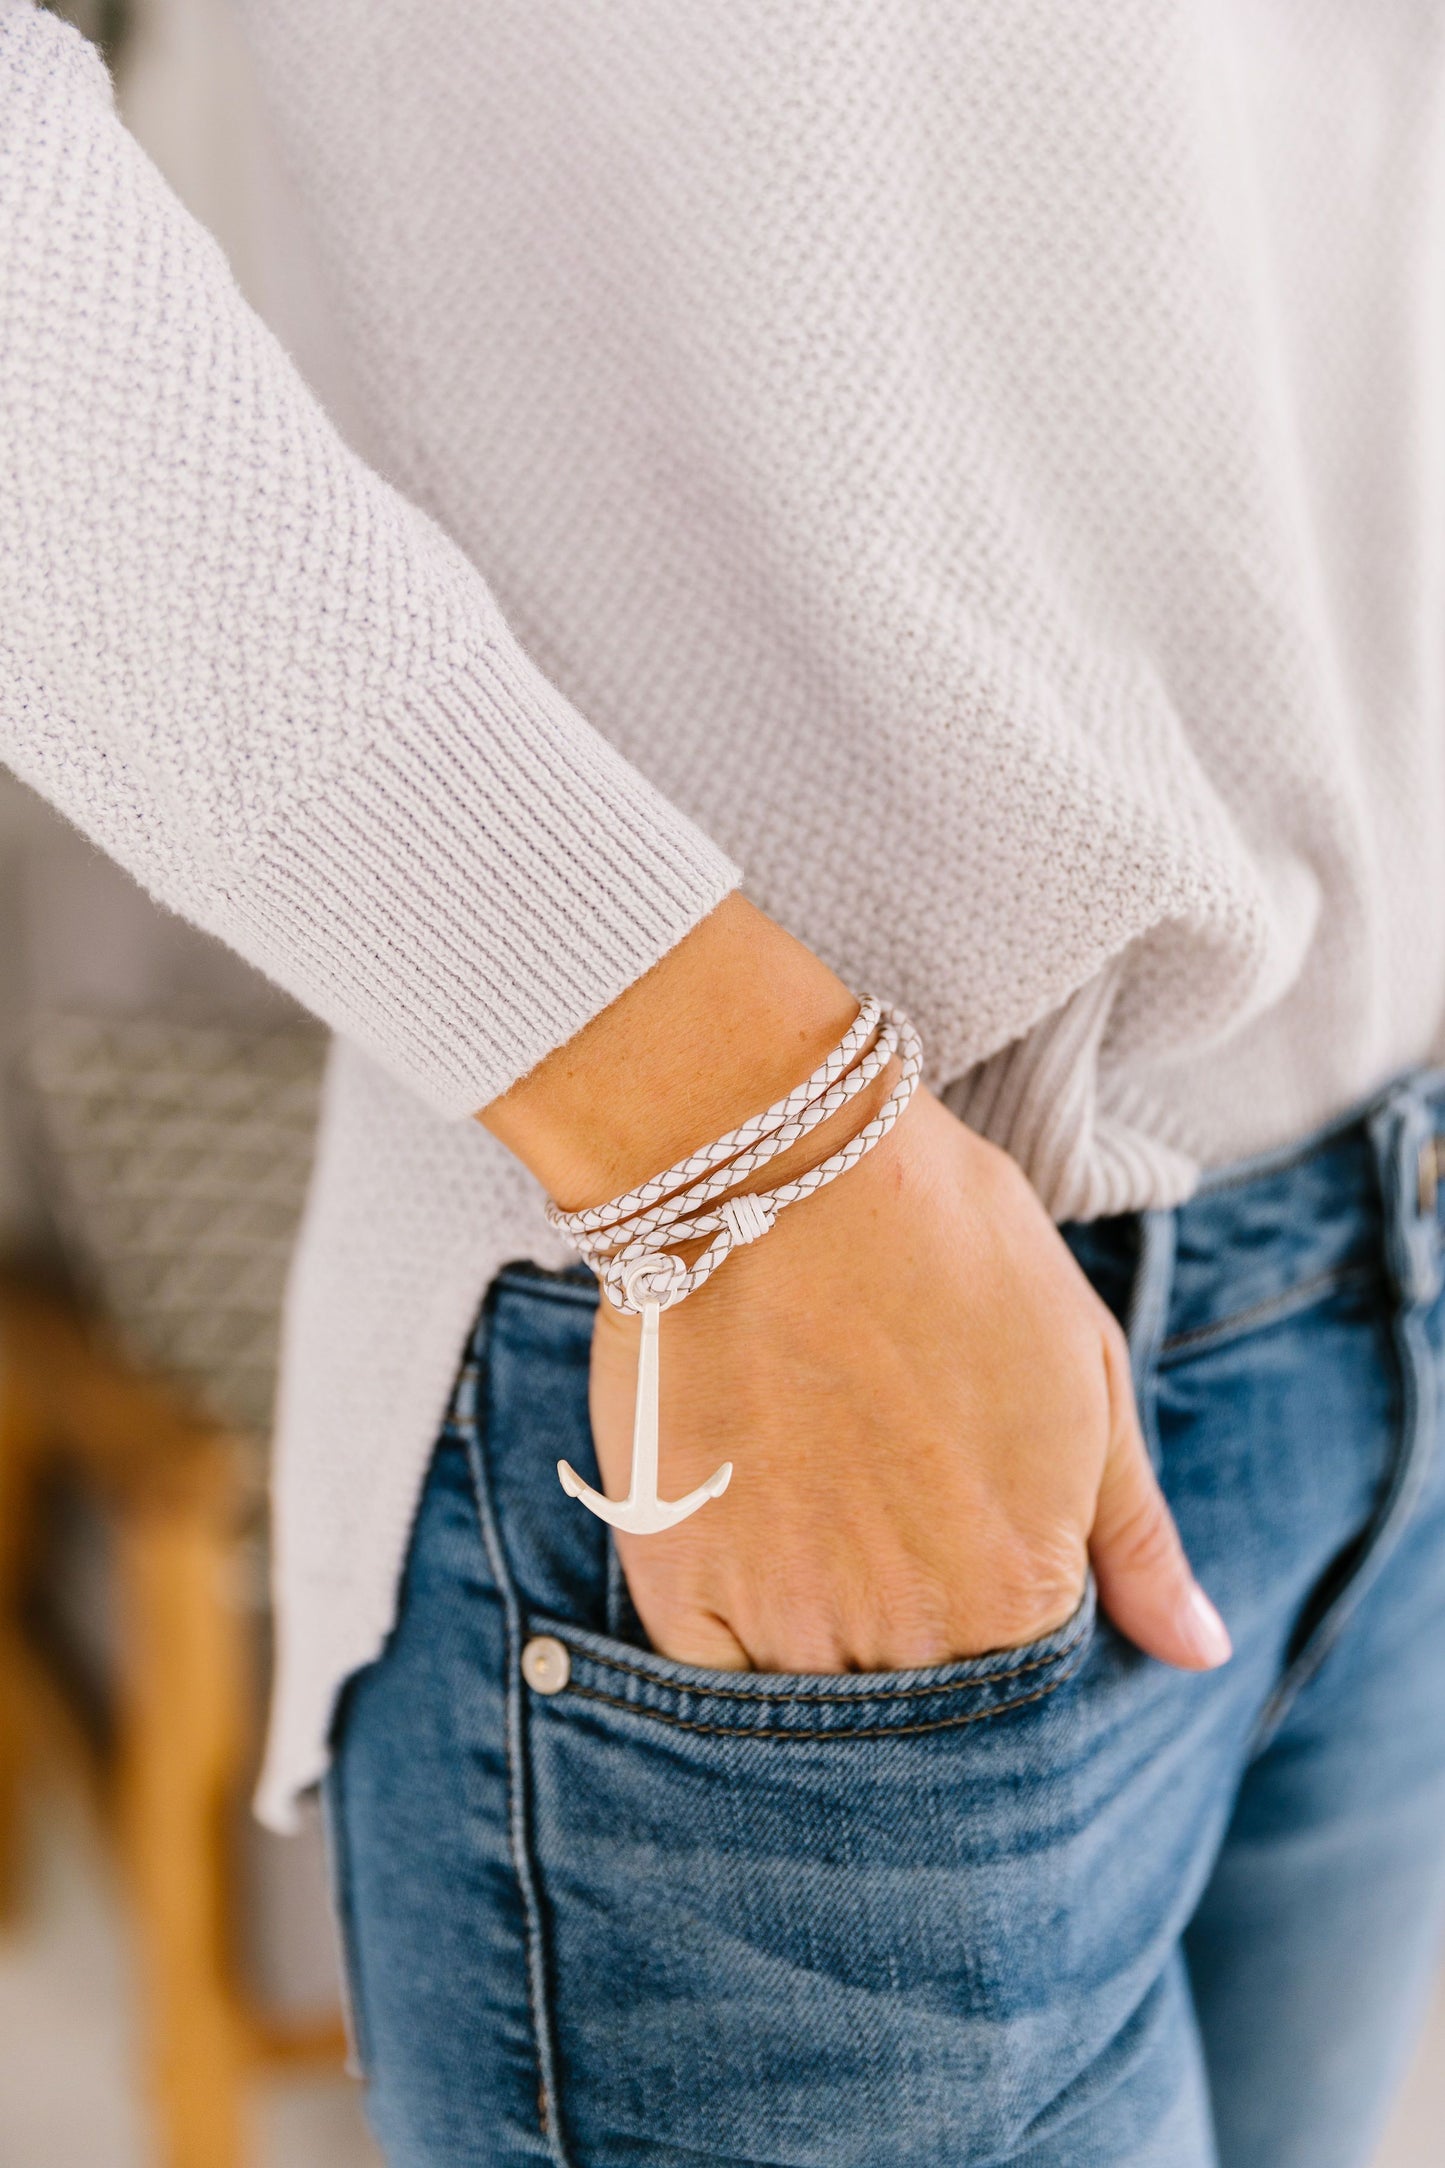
column 175, row 1157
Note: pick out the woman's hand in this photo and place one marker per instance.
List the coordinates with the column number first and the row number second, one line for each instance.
column 929, row 1411
column 931, row 1422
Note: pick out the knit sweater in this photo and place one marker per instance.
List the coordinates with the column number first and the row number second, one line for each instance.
column 981, row 470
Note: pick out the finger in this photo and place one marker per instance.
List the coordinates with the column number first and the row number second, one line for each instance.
column 1145, row 1582
column 702, row 1639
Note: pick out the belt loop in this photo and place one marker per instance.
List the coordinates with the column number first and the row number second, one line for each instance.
column 1402, row 1129
column 1403, row 1134
column 1148, row 1313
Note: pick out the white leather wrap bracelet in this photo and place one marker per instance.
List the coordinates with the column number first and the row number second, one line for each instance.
column 632, row 1241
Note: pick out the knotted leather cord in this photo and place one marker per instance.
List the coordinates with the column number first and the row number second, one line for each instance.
column 631, row 1241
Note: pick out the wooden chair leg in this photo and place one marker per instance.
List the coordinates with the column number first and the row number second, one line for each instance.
column 17, row 1459
column 185, row 1698
column 14, row 1768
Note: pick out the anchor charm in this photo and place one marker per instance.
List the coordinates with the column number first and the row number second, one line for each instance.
column 642, row 1512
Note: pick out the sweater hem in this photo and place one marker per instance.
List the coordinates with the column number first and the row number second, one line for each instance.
column 459, row 923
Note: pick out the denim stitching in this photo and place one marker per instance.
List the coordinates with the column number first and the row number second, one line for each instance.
column 834, row 1737
column 519, row 1805
column 353, row 2008
column 1147, row 1317
column 833, row 1700
column 1416, row 1437
column 1270, row 1310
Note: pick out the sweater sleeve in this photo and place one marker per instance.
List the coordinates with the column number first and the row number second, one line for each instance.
column 254, row 673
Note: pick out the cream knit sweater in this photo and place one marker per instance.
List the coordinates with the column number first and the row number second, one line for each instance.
column 980, row 468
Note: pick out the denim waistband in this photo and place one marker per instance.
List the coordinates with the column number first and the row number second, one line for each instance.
column 1360, row 1196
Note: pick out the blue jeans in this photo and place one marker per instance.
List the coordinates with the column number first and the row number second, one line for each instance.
column 1057, row 1907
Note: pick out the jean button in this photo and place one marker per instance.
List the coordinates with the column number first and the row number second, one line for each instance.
column 546, row 1666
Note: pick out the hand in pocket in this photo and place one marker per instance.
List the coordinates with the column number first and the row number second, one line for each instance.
column 932, row 1423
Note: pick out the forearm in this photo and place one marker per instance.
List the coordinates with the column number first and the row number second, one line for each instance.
column 727, row 1022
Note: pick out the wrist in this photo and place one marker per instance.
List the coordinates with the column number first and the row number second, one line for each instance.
column 724, row 1024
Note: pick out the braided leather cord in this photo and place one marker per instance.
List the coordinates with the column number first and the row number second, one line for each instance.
column 630, row 1241
column 596, row 1218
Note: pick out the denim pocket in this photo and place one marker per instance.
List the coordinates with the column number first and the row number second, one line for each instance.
column 560, row 1561
column 793, row 1877
column 810, row 1706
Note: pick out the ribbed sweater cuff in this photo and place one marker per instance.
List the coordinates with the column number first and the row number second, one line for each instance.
column 483, row 881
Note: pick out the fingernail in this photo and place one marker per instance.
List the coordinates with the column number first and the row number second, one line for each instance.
column 1205, row 1630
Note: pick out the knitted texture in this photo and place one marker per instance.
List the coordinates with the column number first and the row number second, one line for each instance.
column 980, row 465
column 259, row 676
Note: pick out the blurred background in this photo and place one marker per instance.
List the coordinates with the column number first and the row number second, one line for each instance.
column 168, row 1977
column 168, row 1980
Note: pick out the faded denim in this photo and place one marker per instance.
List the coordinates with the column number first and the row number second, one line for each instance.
column 1059, row 1907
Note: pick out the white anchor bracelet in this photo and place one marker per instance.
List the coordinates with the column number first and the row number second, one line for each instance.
column 631, row 1241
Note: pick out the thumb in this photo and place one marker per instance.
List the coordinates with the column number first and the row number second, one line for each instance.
column 1144, row 1578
